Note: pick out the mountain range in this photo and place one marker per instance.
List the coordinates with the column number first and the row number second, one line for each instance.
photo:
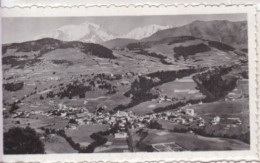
column 231, row 33
column 90, row 32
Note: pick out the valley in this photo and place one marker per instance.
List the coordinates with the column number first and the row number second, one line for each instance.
column 176, row 93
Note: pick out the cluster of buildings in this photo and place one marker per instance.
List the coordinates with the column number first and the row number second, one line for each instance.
column 125, row 120
column 27, row 114
column 227, row 122
column 236, row 94
column 162, row 99
column 179, row 116
column 68, row 112
column 75, row 115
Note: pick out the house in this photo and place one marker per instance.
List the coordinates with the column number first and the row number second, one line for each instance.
column 193, row 91
column 168, row 99
column 121, row 114
column 153, row 116
column 161, row 99
column 80, row 122
column 168, row 113
column 139, row 125
column 215, row 120
column 130, row 113
column 63, row 114
column 112, row 75
column 51, row 102
column 73, row 127
column 233, row 121
column 121, row 126
column 190, row 112
column 165, row 118
column 201, row 124
column 112, row 119
column 179, row 120
column 191, row 119
column 147, row 117
column 106, row 119
column 171, row 118
column 124, row 82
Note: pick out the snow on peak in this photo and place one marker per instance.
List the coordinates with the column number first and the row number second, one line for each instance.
column 90, row 32
column 145, row 31
column 86, row 32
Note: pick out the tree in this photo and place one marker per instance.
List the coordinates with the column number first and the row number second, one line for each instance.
column 154, row 125
column 41, row 97
column 14, row 107
column 13, row 86
column 22, row 141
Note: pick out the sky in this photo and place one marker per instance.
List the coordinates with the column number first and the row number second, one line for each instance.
column 26, row 29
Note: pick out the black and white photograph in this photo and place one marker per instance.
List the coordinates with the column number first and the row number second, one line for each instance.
column 122, row 84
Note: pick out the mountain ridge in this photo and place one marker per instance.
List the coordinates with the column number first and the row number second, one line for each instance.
column 145, row 31
column 90, row 32
column 231, row 33
column 118, row 42
column 45, row 45
column 217, row 30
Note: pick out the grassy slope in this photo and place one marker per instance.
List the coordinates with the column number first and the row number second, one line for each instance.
column 194, row 142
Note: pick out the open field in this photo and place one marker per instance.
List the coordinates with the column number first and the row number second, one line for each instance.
column 195, row 142
column 57, row 144
column 113, row 145
column 82, row 134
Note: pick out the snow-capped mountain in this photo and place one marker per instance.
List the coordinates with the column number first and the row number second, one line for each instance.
column 90, row 32
column 146, row 31
column 85, row 32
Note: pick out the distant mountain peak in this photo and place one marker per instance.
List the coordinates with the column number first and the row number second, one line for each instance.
column 85, row 32
column 90, row 23
column 145, row 31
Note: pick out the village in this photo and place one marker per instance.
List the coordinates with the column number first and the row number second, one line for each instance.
column 124, row 120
